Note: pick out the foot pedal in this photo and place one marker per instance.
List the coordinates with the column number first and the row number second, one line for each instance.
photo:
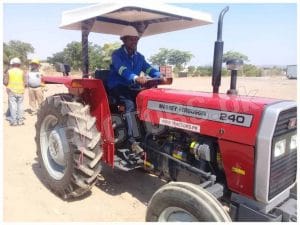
column 126, row 160
column 126, row 154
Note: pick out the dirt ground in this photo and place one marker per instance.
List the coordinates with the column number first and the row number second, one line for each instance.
column 119, row 196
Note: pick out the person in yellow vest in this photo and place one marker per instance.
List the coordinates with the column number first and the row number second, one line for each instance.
column 35, row 86
column 15, row 84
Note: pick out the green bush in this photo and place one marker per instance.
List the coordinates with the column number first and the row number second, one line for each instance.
column 251, row 71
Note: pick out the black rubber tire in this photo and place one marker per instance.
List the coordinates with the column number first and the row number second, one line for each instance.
column 81, row 151
column 200, row 204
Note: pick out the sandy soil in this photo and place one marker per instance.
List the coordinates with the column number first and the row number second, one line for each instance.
column 119, row 196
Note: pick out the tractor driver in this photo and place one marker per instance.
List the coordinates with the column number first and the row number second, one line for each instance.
column 124, row 80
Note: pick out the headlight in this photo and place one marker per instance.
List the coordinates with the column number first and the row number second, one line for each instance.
column 279, row 148
column 293, row 143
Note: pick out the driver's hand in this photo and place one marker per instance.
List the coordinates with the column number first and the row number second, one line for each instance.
column 164, row 79
column 141, row 80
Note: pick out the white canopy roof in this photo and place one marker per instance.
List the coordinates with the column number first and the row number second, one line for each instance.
column 148, row 17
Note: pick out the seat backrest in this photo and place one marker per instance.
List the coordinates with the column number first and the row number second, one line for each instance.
column 102, row 75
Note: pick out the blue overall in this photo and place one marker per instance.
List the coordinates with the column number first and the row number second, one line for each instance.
column 121, row 83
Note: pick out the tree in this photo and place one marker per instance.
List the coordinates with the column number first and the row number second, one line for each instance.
column 15, row 48
column 106, row 51
column 234, row 55
column 177, row 58
column 251, row 70
column 6, row 54
column 57, row 57
column 161, row 58
column 72, row 55
column 204, row 71
column 95, row 59
column 99, row 57
column 191, row 70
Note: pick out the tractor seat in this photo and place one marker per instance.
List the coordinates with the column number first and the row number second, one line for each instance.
column 102, row 75
column 114, row 102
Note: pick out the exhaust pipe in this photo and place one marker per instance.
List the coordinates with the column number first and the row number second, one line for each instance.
column 218, row 54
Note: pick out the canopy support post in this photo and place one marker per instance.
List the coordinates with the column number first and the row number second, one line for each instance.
column 86, row 27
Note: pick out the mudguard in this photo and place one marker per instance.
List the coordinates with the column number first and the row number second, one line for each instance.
column 93, row 93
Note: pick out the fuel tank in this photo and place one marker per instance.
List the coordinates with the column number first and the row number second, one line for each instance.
column 227, row 117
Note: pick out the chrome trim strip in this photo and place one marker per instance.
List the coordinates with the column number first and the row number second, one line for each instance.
column 263, row 148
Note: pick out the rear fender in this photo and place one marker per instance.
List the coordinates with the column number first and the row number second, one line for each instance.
column 71, row 83
column 93, row 93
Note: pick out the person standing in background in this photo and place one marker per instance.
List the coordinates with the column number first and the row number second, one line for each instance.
column 35, row 84
column 14, row 80
column 7, row 112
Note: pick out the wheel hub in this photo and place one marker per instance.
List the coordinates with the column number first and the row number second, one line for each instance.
column 56, row 148
column 53, row 147
column 176, row 214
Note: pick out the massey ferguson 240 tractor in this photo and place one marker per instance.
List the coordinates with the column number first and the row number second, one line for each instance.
column 239, row 153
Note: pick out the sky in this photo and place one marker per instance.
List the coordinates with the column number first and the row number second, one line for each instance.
column 265, row 32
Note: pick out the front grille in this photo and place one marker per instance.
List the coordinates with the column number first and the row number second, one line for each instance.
column 282, row 174
column 283, row 121
column 283, row 169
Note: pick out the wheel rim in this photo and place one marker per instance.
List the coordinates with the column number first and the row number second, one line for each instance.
column 52, row 143
column 176, row 214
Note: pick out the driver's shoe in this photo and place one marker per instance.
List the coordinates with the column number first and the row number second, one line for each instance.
column 136, row 148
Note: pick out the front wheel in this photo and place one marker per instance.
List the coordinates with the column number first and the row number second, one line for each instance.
column 184, row 202
column 68, row 146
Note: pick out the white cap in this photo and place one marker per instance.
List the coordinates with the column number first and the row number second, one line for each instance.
column 15, row 61
column 129, row 31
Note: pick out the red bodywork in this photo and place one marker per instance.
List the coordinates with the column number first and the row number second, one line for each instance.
column 236, row 143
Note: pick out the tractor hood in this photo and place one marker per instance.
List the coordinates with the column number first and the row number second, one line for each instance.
column 227, row 117
column 148, row 17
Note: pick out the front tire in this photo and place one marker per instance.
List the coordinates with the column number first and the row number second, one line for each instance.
column 68, row 146
column 185, row 202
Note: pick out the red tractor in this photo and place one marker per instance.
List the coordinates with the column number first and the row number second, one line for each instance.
column 227, row 157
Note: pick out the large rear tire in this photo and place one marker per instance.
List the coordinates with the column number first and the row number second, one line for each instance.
column 68, row 146
column 186, row 202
